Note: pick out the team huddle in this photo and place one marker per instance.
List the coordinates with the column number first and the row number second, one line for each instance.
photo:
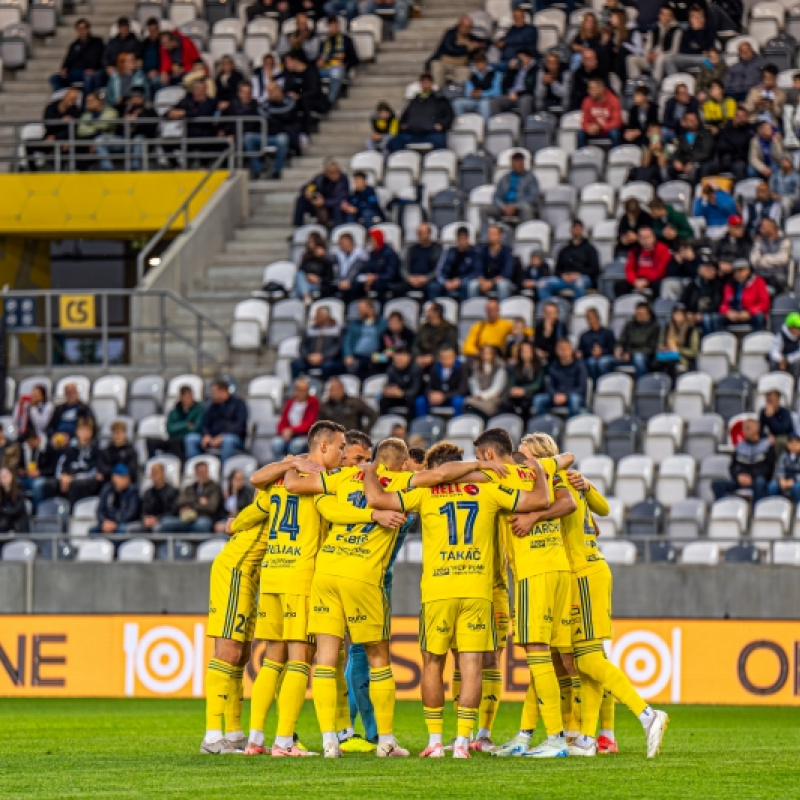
column 310, row 561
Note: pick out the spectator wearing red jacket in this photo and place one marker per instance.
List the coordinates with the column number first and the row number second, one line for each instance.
column 299, row 413
column 177, row 57
column 745, row 301
column 646, row 266
column 602, row 115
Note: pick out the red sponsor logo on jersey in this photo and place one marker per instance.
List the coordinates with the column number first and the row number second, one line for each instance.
column 384, row 481
column 470, row 489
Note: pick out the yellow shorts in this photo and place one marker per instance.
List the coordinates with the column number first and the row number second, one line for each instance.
column 232, row 602
column 542, row 610
column 282, row 617
column 592, row 604
column 339, row 604
column 464, row 624
column 502, row 617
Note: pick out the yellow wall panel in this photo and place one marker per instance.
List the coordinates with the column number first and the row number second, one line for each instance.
column 107, row 204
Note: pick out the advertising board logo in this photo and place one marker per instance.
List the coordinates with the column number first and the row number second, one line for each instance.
column 652, row 664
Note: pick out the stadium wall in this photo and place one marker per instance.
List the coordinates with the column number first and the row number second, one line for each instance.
column 643, row 591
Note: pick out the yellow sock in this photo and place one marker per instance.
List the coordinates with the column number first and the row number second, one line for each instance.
column 434, row 719
column 324, row 689
column 233, row 708
column 218, row 687
column 492, row 689
column 607, row 709
column 593, row 662
column 456, row 689
column 382, row 690
column 342, row 699
column 466, row 719
column 264, row 690
column 530, row 710
column 575, row 723
column 565, row 691
column 292, row 697
column 543, row 675
column 591, row 697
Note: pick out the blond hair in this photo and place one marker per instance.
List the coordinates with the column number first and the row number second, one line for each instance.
column 540, row 445
column 392, row 452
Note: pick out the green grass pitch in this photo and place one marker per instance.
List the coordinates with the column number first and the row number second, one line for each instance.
column 149, row 749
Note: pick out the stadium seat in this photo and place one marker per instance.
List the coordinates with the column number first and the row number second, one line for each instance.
column 20, row 550
column 382, row 428
column 502, row 133
column 513, row 307
column 599, row 470
column 82, row 384
column 214, row 468
column 729, row 518
column 618, row 552
column 430, row 428
column 775, row 381
column 717, row 355
column 701, row 553
column 712, row 468
column 559, row 205
column 550, row 167
column 612, row 396
column 693, row 395
column 466, row 134
column 550, row 424
column 703, row 436
column 611, row 526
column 586, row 166
column 634, row 479
column 407, row 307
column 510, row 423
column 661, row 553
column 172, row 469
column 604, row 238
column 772, row 518
column 743, row 553
column 753, row 358
column 595, row 301
column 732, row 396
column 623, row 309
column 687, row 519
column 596, row 204
column 241, row 461
column 620, row 162
column 678, row 194
column 622, row 437
column 267, row 386
column 783, row 553
column 136, row 551
column 663, row 437
column 146, row 396
column 96, row 550
column 208, row 551
column 583, row 436
column 645, row 519
column 194, row 382
column 676, row 479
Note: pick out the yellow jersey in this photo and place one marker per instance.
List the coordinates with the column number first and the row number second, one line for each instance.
column 577, row 528
column 360, row 551
column 295, row 533
column 248, row 542
column 459, row 524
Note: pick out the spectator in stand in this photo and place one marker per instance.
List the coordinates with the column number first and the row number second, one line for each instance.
column 713, row 69
column 519, row 86
column 734, row 245
column 98, row 125
column 352, row 412
column 484, row 84
column 497, row 267
column 351, row 261
column 492, row 331
column 752, row 466
column 178, row 56
column 487, row 384
column 618, row 41
column 552, row 85
column 767, row 99
column 123, row 81
column 447, row 386
column 10, row 452
column 525, row 381
column 733, row 147
column 185, row 417
column 200, row 72
column 696, row 41
column 457, row 267
column 683, row 265
column 516, row 195
column 766, row 151
column 577, row 267
column 403, row 384
column 227, row 83
column 679, row 344
column 299, row 413
column 548, row 332
column 263, row 8
column 763, row 207
column 349, row 8
column 787, row 474
column 771, row 255
column 143, row 123
column 450, row 62
column 694, row 151
column 596, row 346
column 302, row 41
column 78, row 469
column 302, row 83
column 40, row 411
column 630, row 223
column 744, row 74
column 362, row 340
column 745, row 301
column 363, row 206
column 589, row 70
column 520, row 333
column 119, row 451
column 587, row 37
column 56, row 114
column 320, row 347
column 784, row 183
column 425, row 120
column 237, row 495
column 126, row 41
column 381, row 273
column 396, row 336
column 66, row 415
column 197, row 108
column 266, row 75
column 716, row 207
column 434, row 334
column 638, row 341
column 775, row 421
column 641, row 117
column 13, row 513
column 421, row 261
column 717, row 109
column 385, row 126
column 337, row 57
column 160, row 500
column 84, row 60
column 315, row 271
column 119, row 508
column 199, row 505
column 224, row 425
column 283, row 118
column 646, row 266
column 785, row 353
column 567, row 383
column 661, row 42
column 669, row 225
column 520, row 36
column 675, row 110
column 322, row 198
column 37, row 466
column 151, row 54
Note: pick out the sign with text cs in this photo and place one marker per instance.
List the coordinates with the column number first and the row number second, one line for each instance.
column 76, row 311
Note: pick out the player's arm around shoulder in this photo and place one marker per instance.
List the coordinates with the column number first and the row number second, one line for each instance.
column 594, row 499
column 270, row 473
column 538, row 498
column 457, row 471
column 377, row 498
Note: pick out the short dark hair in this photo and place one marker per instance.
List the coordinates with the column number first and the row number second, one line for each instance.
column 643, row 304
column 438, row 308
column 498, row 439
column 360, row 174
column 416, row 454
column 770, row 68
column 359, row 438
column 324, row 429
column 123, row 21
column 153, row 21
column 442, row 453
column 462, row 230
column 220, row 383
column 83, row 21
column 658, row 203
column 346, row 236
column 642, row 88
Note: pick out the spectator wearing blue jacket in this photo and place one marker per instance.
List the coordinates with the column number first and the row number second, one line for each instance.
column 381, row 273
column 566, row 385
column 715, row 206
column 678, row 105
column 483, row 85
column 119, row 508
column 322, row 198
column 496, row 268
column 520, row 36
column 362, row 340
column 224, row 425
column 596, row 346
column 516, row 195
column 457, row 267
column 363, row 205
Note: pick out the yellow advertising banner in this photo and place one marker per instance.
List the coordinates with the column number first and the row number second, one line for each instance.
column 669, row 661
column 76, row 311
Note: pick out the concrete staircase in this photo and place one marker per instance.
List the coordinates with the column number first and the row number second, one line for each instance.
column 238, row 268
